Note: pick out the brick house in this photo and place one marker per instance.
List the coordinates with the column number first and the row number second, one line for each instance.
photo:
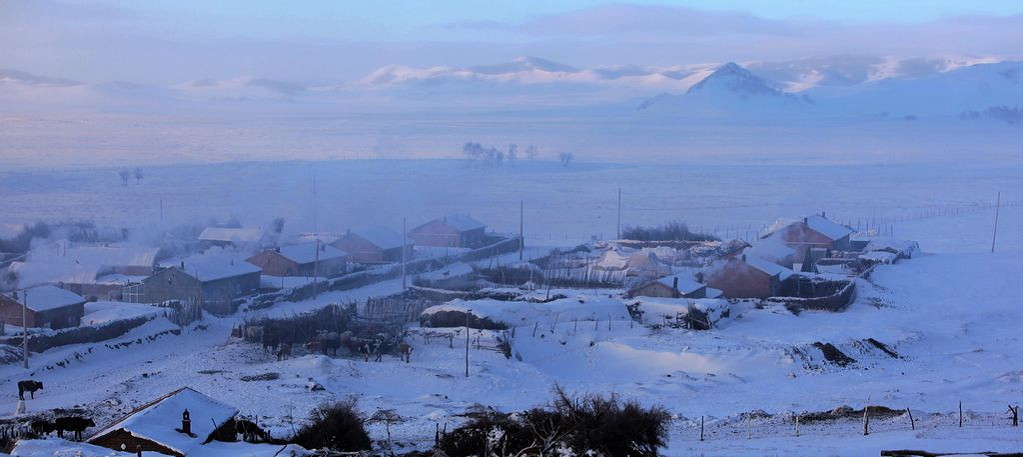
column 302, row 260
column 747, row 277
column 376, row 245
column 213, row 283
column 456, row 231
column 175, row 424
column 48, row 307
column 813, row 232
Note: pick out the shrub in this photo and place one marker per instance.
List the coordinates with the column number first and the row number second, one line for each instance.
column 593, row 424
column 671, row 231
column 337, row 426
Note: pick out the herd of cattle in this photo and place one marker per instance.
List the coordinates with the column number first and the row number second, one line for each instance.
column 328, row 343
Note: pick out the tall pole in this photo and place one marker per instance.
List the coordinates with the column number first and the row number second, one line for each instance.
column 467, row 313
column 998, row 204
column 522, row 237
column 316, row 268
column 315, row 215
column 24, row 327
column 618, row 231
column 403, row 248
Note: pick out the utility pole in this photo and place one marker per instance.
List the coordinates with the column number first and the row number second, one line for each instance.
column 522, row 237
column 618, row 231
column 467, row 313
column 24, row 326
column 315, row 215
column 316, row 268
column 403, row 248
column 998, row 204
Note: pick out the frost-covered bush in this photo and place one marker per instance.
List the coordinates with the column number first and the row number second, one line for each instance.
column 336, row 426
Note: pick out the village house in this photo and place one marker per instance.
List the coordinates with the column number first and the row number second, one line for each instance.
column 226, row 236
column 214, row 283
column 307, row 259
column 175, row 424
column 47, row 307
column 674, row 287
column 455, row 231
column 376, row 245
column 747, row 277
column 90, row 271
column 813, row 232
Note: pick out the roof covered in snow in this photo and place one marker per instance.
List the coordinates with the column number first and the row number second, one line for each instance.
column 827, row 227
column 159, row 420
column 231, row 235
column 462, row 223
column 214, row 269
column 769, row 267
column 686, row 285
column 44, row 298
column 306, row 252
column 383, row 237
column 57, row 262
column 905, row 246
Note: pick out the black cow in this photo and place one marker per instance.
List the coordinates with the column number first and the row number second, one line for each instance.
column 43, row 428
column 29, row 386
column 251, row 432
column 73, row 424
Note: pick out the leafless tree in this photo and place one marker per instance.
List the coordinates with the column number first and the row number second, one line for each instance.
column 532, row 152
column 566, row 158
column 124, row 174
column 513, row 153
column 138, row 175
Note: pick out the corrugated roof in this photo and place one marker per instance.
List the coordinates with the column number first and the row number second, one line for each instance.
column 214, row 269
column 157, row 421
column 306, row 252
column 231, row 235
column 383, row 237
column 827, row 227
column 462, row 223
column 44, row 298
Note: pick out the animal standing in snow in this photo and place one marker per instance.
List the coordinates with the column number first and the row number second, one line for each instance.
column 43, row 428
column 73, row 424
column 270, row 341
column 250, row 432
column 405, row 351
column 28, row 386
column 284, row 352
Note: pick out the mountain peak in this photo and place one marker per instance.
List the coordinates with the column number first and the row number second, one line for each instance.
column 732, row 77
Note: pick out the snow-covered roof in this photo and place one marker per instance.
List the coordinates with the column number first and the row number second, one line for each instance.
column 770, row 268
column 686, row 285
column 158, row 420
column 231, row 235
column 827, row 227
column 383, row 237
column 714, row 293
column 55, row 262
column 892, row 245
column 879, row 256
column 44, row 298
column 462, row 223
column 214, row 269
column 306, row 252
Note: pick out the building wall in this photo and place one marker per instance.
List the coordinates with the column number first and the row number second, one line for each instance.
column 359, row 249
column 274, row 264
column 170, row 284
column 737, row 279
column 57, row 318
column 327, row 268
column 437, row 234
column 799, row 237
column 473, row 238
column 218, row 296
column 653, row 289
column 10, row 313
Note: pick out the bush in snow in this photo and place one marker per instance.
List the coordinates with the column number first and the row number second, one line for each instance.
column 337, row 426
column 589, row 425
column 671, row 231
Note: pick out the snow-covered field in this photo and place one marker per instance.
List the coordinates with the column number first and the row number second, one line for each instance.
column 951, row 313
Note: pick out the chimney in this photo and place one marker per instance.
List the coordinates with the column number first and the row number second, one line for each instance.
column 674, row 286
column 744, row 257
column 277, row 249
column 186, row 423
column 804, row 221
column 182, row 264
column 822, row 214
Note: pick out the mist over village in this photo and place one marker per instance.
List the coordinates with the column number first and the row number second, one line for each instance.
column 462, row 228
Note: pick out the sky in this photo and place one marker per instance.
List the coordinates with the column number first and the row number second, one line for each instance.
column 167, row 42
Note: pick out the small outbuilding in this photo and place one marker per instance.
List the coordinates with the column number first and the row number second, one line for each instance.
column 671, row 287
column 307, row 259
column 814, row 231
column 48, row 306
column 456, row 231
column 747, row 277
column 375, row 245
column 175, row 424
column 214, row 283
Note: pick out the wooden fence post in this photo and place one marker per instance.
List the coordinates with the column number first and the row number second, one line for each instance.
column 701, row 428
column 866, row 420
column 797, row 425
column 960, row 414
column 912, row 424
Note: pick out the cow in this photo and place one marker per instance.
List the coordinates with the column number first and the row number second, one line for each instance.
column 254, row 333
column 284, row 352
column 29, row 386
column 270, row 341
column 250, row 432
column 43, row 428
column 73, row 424
column 405, row 351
